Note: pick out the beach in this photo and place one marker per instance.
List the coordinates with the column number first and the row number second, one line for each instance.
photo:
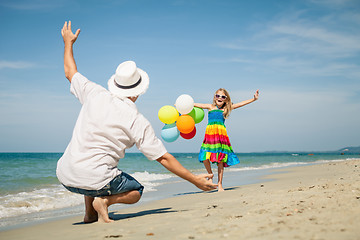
column 320, row 201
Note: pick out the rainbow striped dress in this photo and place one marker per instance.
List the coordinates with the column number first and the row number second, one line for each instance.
column 216, row 146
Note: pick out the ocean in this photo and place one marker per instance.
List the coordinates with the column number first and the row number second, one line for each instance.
column 31, row 193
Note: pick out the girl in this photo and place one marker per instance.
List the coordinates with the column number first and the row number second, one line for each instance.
column 216, row 147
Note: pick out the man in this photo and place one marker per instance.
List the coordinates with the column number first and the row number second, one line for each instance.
column 109, row 123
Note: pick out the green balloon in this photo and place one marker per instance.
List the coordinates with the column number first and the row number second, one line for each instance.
column 197, row 114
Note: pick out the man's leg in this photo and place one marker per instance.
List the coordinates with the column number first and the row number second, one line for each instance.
column 101, row 204
column 90, row 213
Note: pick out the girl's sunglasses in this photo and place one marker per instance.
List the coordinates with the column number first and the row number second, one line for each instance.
column 220, row 96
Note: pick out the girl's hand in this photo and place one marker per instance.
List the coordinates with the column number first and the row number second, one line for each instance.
column 256, row 95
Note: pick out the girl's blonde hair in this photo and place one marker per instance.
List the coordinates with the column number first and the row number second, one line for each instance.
column 226, row 107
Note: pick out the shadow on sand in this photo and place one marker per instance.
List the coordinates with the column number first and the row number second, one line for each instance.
column 118, row 216
column 212, row 191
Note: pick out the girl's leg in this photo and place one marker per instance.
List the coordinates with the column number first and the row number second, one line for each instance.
column 207, row 165
column 90, row 213
column 220, row 176
column 101, row 204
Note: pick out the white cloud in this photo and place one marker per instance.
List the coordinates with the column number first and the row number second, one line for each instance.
column 30, row 5
column 300, row 36
column 333, row 3
column 300, row 43
column 315, row 40
column 16, row 64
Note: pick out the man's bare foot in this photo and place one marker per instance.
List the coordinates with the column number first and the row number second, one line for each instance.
column 220, row 188
column 100, row 205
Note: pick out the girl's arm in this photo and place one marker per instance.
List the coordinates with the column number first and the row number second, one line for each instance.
column 246, row 102
column 203, row 105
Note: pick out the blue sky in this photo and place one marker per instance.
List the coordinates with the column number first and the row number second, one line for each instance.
column 304, row 56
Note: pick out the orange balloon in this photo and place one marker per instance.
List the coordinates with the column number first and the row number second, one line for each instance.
column 185, row 124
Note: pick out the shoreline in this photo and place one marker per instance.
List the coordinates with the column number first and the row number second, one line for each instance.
column 167, row 188
column 320, row 201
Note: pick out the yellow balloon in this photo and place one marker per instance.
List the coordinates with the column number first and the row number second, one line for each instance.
column 168, row 114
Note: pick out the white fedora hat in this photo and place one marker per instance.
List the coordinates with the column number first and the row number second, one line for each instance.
column 128, row 80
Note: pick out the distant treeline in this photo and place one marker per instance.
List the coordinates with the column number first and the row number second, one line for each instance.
column 350, row 150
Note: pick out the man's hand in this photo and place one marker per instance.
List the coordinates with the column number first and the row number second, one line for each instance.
column 205, row 183
column 68, row 35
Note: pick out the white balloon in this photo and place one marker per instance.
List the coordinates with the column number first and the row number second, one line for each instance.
column 184, row 104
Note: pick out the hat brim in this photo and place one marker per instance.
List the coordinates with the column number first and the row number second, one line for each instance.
column 132, row 92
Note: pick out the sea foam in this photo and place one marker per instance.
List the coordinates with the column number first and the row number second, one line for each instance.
column 286, row 164
column 50, row 198
column 56, row 196
column 150, row 180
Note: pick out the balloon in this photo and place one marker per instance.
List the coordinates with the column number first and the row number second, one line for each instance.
column 197, row 114
column 185, row 124
column 189, row 135
column 184, row 104
column 170, row 133
column 168, row 114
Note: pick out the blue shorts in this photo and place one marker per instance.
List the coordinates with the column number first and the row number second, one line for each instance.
column 120, row 184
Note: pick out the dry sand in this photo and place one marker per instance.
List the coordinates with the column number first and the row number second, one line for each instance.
column 309, row 202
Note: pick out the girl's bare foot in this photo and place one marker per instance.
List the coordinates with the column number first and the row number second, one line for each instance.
column 220, row 188
column 100, row 205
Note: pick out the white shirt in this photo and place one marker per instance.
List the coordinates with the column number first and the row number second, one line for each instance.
column 106, row 126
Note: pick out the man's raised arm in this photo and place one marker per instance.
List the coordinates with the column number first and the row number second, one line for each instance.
column 69, row 40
